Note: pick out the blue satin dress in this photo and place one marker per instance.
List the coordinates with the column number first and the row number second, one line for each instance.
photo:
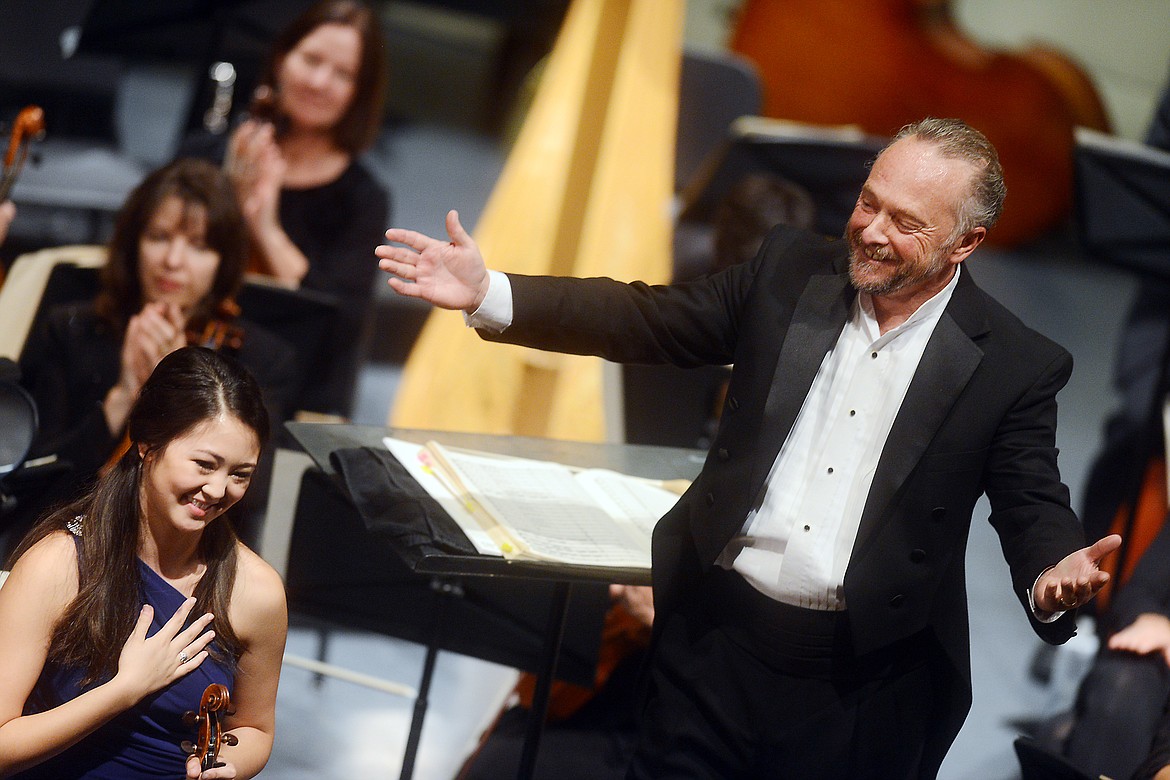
column 143, row 742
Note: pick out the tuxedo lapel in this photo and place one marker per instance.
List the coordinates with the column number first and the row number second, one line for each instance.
column 949, row 360
column 816, row 323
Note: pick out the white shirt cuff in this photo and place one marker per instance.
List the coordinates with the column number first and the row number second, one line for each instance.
column 1043, row 617
column 495, row 311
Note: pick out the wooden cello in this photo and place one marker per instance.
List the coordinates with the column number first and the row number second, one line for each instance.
column 586, row 191
column 879, row 64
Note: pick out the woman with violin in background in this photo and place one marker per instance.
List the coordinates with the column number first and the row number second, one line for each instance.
column 312, row 208
column 175, row 261
column 123, row 606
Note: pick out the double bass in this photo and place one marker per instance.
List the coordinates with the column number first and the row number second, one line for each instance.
column 880, row 64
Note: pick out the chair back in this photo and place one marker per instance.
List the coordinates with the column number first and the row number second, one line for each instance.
column 715, row 89
column 38, row 280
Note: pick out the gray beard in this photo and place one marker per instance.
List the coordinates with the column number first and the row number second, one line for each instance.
column 902, row 278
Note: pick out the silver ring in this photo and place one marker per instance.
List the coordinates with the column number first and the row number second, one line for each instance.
column 182, row 657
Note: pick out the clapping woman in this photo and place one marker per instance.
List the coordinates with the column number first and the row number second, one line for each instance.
column 313, row 209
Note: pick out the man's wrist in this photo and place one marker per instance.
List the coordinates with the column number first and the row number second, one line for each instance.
column 494, row 312
column 1042, row 615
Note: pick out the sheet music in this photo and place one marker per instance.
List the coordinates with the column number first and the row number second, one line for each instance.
column 638, row 500
column 554, row 512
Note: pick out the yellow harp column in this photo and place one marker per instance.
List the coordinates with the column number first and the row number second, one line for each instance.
column 585, row 191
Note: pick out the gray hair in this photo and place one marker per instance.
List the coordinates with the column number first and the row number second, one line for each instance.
column 958, row 140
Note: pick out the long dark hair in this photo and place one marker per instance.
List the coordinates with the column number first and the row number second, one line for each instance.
column 358, row 127
column 189, row 386
column 195, row 183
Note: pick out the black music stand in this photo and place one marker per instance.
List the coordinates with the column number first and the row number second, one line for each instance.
column 1123, row 202
column 304, row 319
column 830, row 162
column 1039, row 763
column 1122, row 209
column 515, row 613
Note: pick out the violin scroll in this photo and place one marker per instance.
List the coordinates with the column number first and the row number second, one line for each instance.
column 216, row 701
column 28, row 126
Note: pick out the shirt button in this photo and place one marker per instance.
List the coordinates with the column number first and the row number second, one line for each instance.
column 830, row 470
column 852, row 412
column 873, row 354
column 710, row 499
column 733, row 403
column 897, row 601
column 722, row 453
column 917, row 556
column 808, row 528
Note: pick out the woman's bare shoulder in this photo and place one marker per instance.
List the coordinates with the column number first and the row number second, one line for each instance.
column 258, row 596
column 47, row 569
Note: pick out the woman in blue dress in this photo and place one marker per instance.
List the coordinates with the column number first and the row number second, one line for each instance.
column 123, row 606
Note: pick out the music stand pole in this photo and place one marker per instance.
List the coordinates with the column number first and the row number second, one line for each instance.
column 558, row 609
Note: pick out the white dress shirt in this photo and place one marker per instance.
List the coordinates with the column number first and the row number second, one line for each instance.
column 795, row 546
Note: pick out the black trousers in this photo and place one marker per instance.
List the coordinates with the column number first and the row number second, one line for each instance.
column 742, row 686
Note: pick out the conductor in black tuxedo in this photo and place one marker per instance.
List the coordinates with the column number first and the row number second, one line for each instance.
column 811, row 611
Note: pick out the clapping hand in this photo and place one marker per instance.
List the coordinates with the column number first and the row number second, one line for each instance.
column 152, row 334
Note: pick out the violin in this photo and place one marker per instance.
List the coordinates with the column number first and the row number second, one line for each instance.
column 215, row 701
column 28, row 126
column 220, row 331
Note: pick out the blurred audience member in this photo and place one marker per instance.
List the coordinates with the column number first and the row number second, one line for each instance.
column 313, row 210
